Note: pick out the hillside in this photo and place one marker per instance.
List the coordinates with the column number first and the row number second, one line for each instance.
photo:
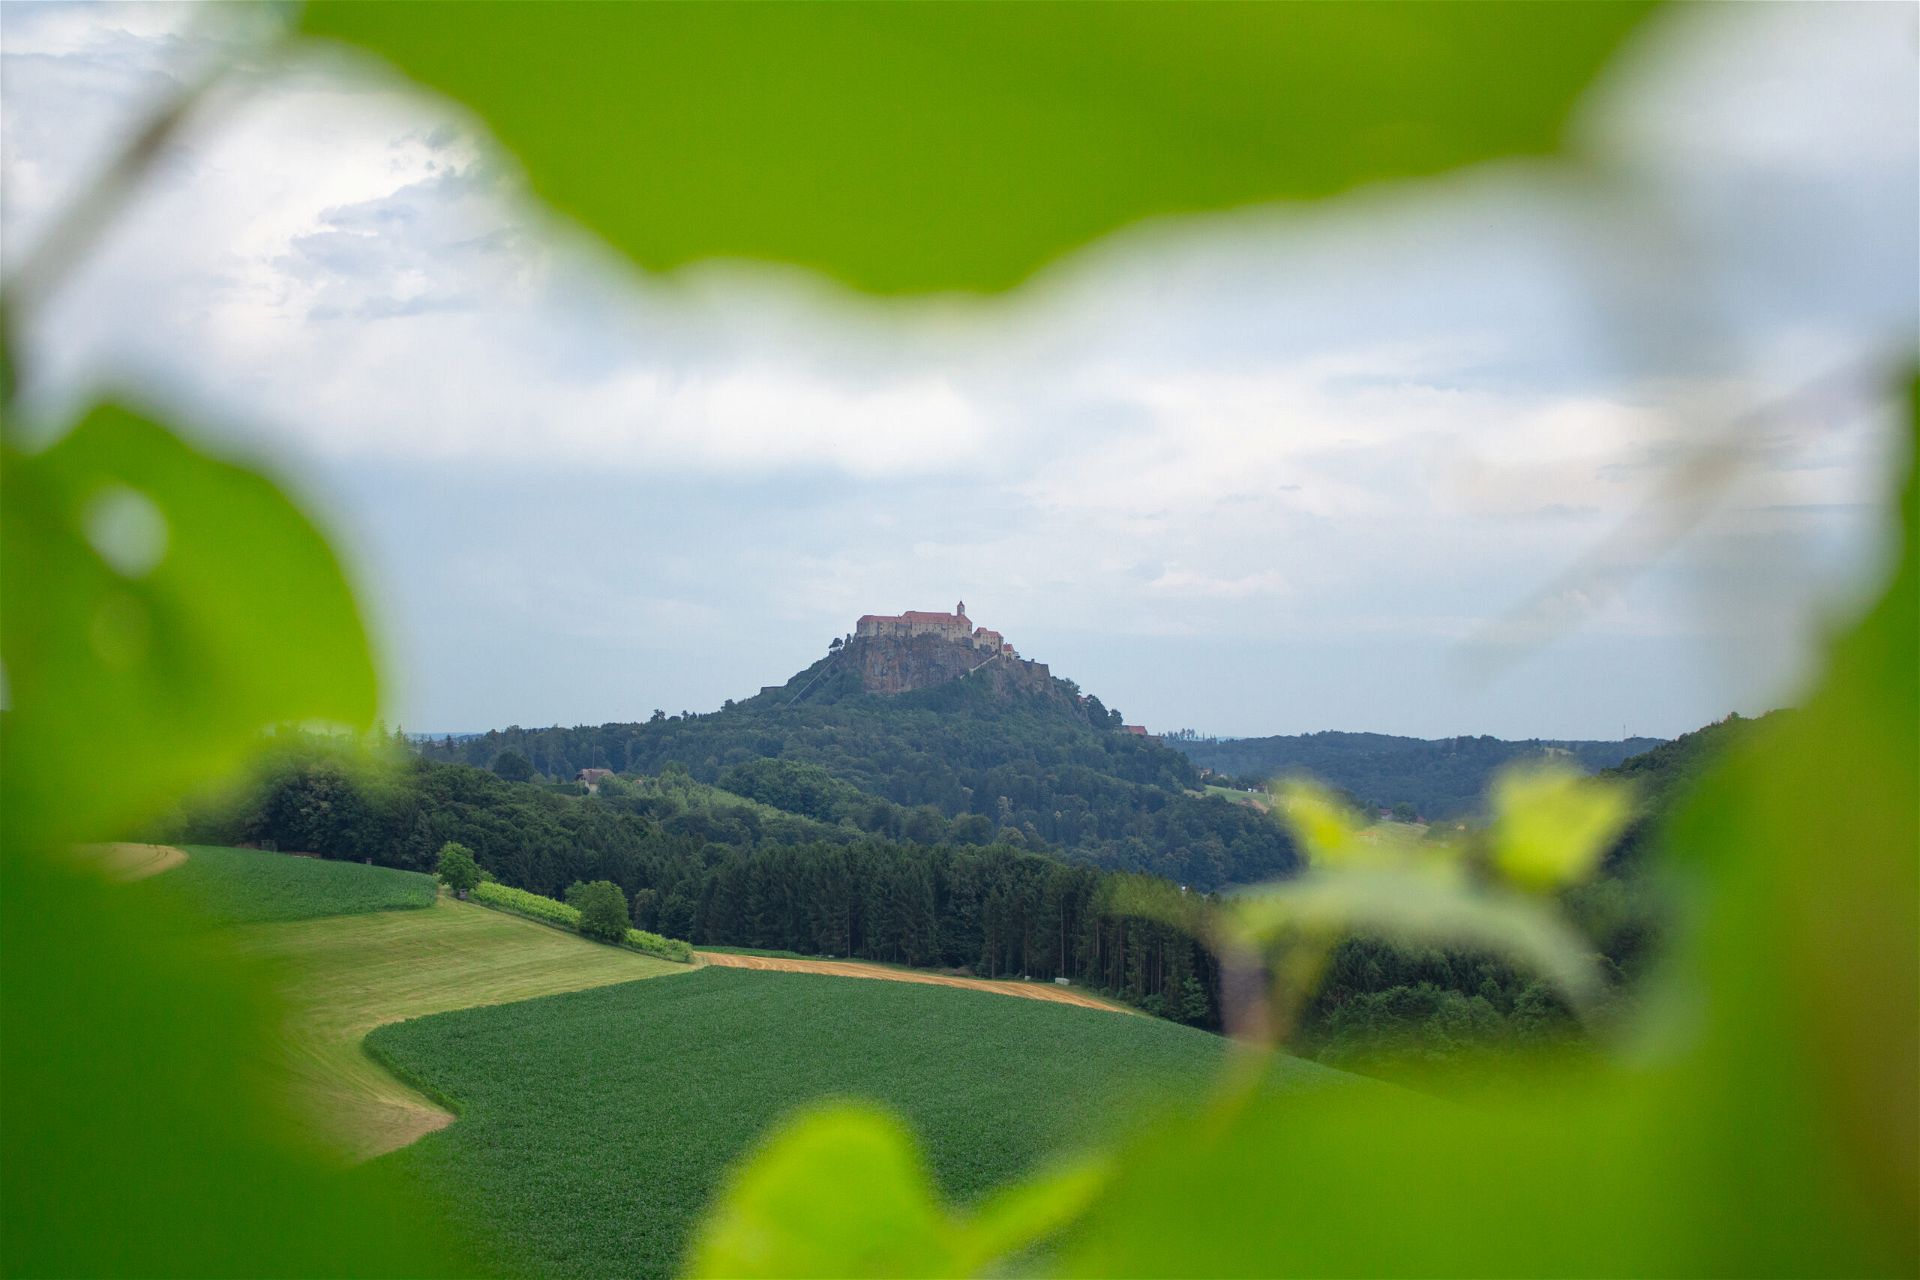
column 996, row 751
column 1440, row 777
column 687, row 1074
column 1663, row 777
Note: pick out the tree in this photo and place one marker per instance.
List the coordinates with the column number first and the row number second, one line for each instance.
column 457, row 869
column 603, row 910
column 513, row 767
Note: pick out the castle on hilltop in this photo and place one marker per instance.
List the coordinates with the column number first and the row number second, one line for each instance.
column 953, row 626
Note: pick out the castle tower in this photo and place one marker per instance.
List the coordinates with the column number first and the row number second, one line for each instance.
column 961, row 608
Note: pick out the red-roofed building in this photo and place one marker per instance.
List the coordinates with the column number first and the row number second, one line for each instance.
column 918, row 622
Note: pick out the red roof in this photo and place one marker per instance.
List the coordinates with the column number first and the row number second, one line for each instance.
column 1139, row 729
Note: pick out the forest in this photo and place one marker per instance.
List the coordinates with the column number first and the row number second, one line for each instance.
column 708, row 866
column 1043, row 772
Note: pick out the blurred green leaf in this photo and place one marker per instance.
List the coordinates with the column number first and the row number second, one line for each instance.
column 917, row 147
column 840, row 1191
column 1385, row 882
column 148, row 1132
column 1551, row 825
column 162, row 608
column 1416, row 906
column 1014, row 1219
column 843, row 1191
column 1327, row 833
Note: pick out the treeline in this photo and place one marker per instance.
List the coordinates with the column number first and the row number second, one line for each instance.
column 781, row 882
column 1038, row 772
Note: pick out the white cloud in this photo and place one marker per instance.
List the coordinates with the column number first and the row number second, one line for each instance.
column 1390, row 420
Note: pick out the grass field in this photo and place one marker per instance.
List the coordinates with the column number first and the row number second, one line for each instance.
column 595, row 1126
column 345, row 975
column 1251, row 799
column 234, row 886
column 356, row 946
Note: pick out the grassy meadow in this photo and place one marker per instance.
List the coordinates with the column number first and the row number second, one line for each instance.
column 356, row 946
column 233, row 886
column 594, row 1127
column 345, row 975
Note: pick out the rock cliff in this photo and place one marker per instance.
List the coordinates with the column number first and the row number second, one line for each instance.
column 887, row 664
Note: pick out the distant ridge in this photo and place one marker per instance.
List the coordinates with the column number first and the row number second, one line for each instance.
column 1438, row 777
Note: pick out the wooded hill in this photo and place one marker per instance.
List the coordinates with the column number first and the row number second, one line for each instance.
column 1439, row 777
column 972, row 761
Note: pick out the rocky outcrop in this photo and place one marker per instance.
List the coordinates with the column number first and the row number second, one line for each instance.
column 900, row 664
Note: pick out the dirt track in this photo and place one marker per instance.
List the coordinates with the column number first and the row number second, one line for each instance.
column 855, row 969
column 123, row 861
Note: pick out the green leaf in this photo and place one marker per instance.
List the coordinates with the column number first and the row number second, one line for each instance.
column 1032, row 1211
column 921, row 147
column 1550, row 825
column 843, row 1190
column 1418, row 906
column 148, row 1130
column 839, row 1191
column 1326, row 831
column 162, row 608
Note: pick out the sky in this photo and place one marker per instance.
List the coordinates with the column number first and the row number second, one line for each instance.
column 1411, row 461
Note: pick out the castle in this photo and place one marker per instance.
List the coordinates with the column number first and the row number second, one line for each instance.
column 948, row 626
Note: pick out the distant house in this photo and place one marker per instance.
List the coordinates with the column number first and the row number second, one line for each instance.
column 1137, row 730
column 590, row 778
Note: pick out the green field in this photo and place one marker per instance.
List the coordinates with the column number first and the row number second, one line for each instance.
column 344, row 976
column 232, row 886
column 595, row 1126
column 354, row 947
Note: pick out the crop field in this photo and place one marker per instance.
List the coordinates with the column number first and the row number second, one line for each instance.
column 233, row 886
column 345, row 975
column 594, row 1127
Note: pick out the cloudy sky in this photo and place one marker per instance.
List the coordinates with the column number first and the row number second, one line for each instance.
column 1406, row 462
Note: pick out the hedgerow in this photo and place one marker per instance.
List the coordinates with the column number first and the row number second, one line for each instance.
column 520, row 902
column 655, row 945
column 549, row 911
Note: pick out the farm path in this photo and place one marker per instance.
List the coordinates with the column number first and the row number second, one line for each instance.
column 125, row 861
column 857, row 969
